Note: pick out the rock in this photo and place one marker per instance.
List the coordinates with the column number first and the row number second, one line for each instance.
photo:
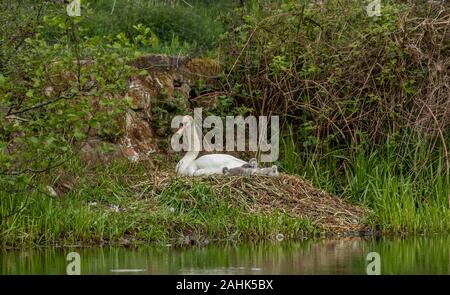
column 138, row 135
column 155, row 61
column 52, row 191
column 167, row 86
column 164, row 91
column 141, row 94
column 204, row 71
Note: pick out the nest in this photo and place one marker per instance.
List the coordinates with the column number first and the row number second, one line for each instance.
column 289, row 194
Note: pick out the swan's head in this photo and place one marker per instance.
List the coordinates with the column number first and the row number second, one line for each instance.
column 253, row 163
column 225, row 170
column 274, row 171
column 188, row 132
column 186, row 122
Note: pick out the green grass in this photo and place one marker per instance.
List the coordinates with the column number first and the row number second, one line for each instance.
column 403, row 181
column 405, row 196
column 407, row 192
column 181, row 27
column 180, row 213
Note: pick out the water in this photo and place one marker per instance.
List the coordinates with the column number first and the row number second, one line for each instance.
column 418, row 255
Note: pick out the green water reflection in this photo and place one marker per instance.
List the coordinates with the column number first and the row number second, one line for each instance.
column 418, row 255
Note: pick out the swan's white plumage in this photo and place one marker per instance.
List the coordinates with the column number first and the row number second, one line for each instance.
column 218, row 161
column 207, row 164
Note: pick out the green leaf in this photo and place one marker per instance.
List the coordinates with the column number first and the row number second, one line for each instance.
column 29, row 93
column 78, row 134
column 34, row 140
column 3, row 80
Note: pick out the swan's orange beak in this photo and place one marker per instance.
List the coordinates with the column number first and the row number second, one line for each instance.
column 177, row 135
column 181, row 130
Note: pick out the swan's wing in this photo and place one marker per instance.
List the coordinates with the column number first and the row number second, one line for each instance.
column 207, row 171
column 218, row 161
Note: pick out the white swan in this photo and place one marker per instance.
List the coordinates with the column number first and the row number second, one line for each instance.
column 207, row 164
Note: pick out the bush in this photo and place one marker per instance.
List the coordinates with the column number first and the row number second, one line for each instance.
column 54, row 95
column 344, row 78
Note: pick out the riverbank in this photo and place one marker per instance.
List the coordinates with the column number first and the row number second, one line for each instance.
column 132, row 203
column 145, row 203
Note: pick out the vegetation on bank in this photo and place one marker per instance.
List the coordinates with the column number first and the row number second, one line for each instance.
column 192, row 27
column 132, row 203
column 363, row 102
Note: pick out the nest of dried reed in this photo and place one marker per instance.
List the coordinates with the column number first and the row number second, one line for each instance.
column 292, row 195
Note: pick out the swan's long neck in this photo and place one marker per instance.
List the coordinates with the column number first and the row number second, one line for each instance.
column 193, row 149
